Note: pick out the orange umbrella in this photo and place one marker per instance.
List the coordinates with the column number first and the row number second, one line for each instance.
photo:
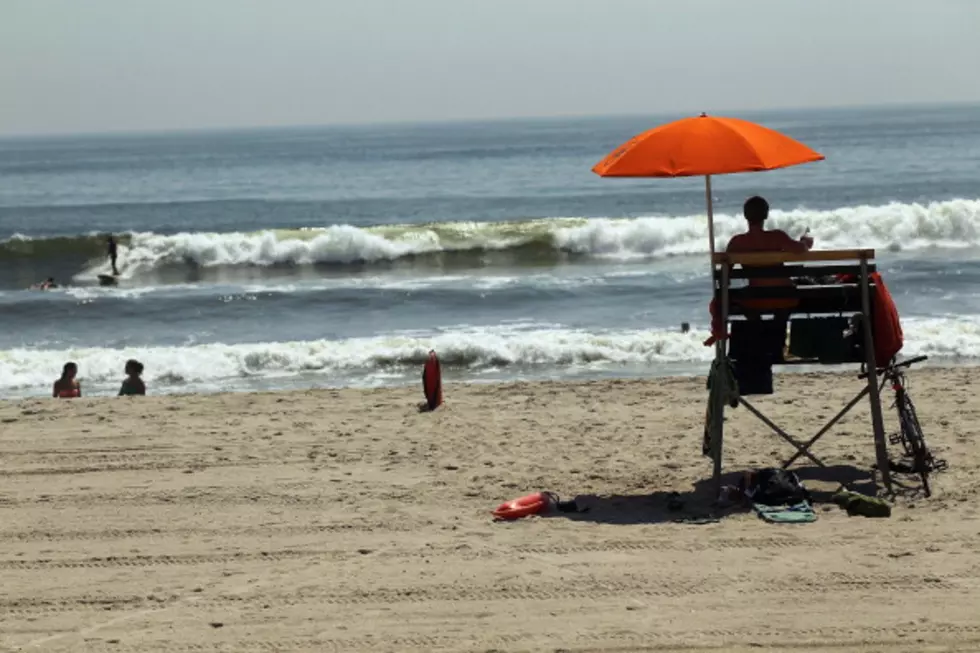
column 704, row 146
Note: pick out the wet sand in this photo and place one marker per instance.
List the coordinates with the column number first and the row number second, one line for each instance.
column 346, row 520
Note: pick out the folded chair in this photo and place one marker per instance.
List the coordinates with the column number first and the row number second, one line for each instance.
column 829, row 322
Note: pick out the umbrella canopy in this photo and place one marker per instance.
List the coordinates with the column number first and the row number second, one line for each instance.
column 703, row 146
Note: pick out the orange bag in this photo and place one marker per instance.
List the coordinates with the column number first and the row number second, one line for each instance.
column 889, row 338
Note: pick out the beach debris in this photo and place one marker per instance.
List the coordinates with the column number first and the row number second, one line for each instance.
column 863, row 505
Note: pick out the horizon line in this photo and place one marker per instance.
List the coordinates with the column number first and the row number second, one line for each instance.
column 175, row 131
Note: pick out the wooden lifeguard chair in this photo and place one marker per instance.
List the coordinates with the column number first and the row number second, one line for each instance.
column 774, row 304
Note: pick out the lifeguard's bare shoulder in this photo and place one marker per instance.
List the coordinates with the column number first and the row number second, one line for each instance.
column 735, row 243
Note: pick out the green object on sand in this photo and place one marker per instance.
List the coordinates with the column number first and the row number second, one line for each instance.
column 721, row 381
column 863, row 505
column 799, row 513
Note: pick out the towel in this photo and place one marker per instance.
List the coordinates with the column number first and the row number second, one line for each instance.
column 721, row 379
column 799, row 513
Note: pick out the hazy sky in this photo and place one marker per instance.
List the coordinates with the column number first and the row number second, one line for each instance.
column 101, row 65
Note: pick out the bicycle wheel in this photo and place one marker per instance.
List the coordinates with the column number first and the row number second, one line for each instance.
column 914, row 440
column 899, row 404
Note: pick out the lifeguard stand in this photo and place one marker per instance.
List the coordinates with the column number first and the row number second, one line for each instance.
column 781, row 302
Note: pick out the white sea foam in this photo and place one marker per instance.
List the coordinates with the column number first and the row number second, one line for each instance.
column 948, row 224
column 464, row 348
column 895, row 226
column 469, row 351
column 945, row 338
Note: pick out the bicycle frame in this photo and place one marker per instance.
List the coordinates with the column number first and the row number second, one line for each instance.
column 910, row 434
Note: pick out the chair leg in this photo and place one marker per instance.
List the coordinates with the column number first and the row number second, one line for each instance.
column 800, row 448
column 877, row 422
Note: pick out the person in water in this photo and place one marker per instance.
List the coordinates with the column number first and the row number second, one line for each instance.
column 68, row 387
column 133, row 384
column 47, row 284
column 111, row 243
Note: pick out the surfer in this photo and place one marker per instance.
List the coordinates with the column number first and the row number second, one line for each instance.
column 68, row 386
column 47, row 284
column 111, row 243
column 133, row 384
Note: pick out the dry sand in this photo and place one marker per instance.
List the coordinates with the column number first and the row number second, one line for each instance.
column 346, row 520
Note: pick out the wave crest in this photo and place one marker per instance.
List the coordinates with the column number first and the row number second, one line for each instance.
column 948, row 224
column 469, row 349
column 465, row 352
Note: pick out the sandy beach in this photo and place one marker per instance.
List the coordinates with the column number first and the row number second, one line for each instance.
column 346, row 520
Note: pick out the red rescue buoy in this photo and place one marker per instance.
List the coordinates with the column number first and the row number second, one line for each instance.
column 432, row 381
column 532, row 504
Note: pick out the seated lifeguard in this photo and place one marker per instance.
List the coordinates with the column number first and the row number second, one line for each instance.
column 759, row 239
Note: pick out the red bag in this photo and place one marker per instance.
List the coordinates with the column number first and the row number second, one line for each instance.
column 887, row 326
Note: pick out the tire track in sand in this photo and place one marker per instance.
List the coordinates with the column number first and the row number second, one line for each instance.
column 580, row 590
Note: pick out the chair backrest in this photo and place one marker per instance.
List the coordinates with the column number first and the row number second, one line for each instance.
column 813, row 298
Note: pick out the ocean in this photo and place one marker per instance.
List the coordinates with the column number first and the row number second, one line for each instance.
column 339, row 256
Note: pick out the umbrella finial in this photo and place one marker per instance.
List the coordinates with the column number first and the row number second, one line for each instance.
column 703, row 115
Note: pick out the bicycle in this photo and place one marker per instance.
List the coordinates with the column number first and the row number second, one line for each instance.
column 910, row 434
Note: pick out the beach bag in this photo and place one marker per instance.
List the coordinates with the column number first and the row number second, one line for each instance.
column 775, row 487
column 889, row 338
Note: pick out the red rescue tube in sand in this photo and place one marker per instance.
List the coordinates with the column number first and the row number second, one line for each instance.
column 432, row 381
column 532, row 504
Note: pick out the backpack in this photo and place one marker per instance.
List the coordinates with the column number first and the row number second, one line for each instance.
column 775, row 487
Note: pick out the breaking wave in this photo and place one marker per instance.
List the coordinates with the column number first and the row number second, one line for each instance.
column 895, row 226
column 466, row 352
column 467, row 349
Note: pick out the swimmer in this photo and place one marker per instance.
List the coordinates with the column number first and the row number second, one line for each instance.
column 47, row 284
column 133, row 384
column 68, row 387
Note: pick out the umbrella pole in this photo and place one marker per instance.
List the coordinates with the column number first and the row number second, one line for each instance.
column 718, row 409
column 711, row 219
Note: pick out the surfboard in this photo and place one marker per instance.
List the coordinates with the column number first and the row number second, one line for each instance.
column 107, row 280
column 432, row 381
